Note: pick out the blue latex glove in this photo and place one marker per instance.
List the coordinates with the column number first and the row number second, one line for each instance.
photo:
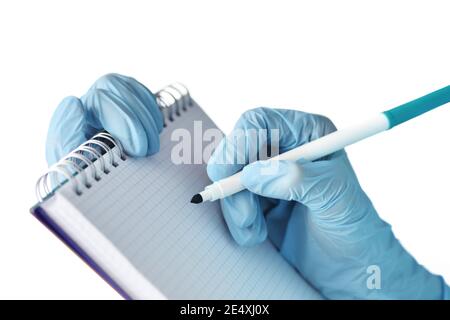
column 120, row 105
column 318, row 216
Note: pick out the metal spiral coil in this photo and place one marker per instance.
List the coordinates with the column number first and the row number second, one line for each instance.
column 172, row 101
column 78, row 169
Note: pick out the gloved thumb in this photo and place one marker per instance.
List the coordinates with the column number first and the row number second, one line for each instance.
column 316, row 184
column 67, row 130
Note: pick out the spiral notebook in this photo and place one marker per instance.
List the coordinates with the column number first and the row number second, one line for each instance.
column 131, row 220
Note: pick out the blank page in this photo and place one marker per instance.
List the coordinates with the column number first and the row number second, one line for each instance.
column 185, row 250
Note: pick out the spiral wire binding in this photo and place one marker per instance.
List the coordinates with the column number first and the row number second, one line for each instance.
column 172, row 101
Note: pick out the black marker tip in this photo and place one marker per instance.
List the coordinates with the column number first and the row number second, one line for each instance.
column 197, row 199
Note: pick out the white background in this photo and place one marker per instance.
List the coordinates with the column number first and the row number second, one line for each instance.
column 343, row 59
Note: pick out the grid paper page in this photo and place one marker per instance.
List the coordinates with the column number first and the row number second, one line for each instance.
column 143, row 207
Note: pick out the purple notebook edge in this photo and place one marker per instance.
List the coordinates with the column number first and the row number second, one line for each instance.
column 40, row 214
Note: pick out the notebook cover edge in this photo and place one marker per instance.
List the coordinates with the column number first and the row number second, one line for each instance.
column 39, row 213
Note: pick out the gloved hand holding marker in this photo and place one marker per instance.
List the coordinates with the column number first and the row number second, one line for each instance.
column 315, row 212
column 335, row 141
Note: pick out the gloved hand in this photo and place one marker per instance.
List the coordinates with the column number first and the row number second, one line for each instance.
column 317, row 215
column 120, row 105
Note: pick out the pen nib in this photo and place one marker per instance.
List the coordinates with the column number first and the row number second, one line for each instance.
column 197, row 199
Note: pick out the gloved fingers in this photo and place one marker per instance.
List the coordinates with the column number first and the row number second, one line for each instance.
column 119, row 104
column 260, row 129
column 133, row 92
column 244, row 217
column 67, row 130
column 114, row 96
column 319, row 185
column 256, row 131
column 110, row 112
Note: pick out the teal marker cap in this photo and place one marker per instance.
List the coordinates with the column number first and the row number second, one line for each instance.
column 417, row 107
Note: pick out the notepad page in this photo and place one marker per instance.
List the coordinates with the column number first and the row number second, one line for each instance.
column 185, row 250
